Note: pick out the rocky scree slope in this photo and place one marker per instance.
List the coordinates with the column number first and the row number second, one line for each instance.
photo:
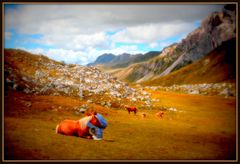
column 36, row 74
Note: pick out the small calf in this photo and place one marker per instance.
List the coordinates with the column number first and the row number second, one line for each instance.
column 160, row 114
column 143, row 115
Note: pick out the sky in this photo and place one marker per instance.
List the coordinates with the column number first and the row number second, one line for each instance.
column 79, row 33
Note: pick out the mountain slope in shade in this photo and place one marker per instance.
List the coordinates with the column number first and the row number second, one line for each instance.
column 136, row 59
column 105, row 58
column 217, row 66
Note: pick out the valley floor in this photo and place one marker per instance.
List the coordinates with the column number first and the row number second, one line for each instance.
column 201, row 128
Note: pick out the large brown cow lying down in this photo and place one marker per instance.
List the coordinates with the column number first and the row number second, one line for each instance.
column 78, row 127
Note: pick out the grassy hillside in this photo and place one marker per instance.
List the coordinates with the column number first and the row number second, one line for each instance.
column 25, row 62
column 218, row 66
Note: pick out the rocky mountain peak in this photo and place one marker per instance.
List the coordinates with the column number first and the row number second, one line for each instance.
column 215, row 29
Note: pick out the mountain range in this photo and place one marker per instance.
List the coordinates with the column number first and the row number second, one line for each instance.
column 123, row 60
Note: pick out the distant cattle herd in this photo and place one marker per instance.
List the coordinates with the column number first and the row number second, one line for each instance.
column 143, row 115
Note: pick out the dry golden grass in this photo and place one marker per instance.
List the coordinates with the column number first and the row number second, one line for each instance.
column 201, row 128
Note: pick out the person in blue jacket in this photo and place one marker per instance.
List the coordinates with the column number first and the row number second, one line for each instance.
column 97, row 132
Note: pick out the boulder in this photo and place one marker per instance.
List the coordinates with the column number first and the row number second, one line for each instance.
column 89, row 101
column 82, row 110
column 226, row 92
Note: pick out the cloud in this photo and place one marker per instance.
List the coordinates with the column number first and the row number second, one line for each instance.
column 72, row 19
column 38, row 51
column 80, row 33
column 152, row 32
column 68, row 56
column 8, row 35
column 95, row 40
column 79, row 56
column 153, row 45
column 75, row 42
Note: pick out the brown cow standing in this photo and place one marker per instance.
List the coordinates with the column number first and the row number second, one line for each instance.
column 131, row 109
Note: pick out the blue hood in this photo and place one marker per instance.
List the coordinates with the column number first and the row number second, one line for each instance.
column 102, row 120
